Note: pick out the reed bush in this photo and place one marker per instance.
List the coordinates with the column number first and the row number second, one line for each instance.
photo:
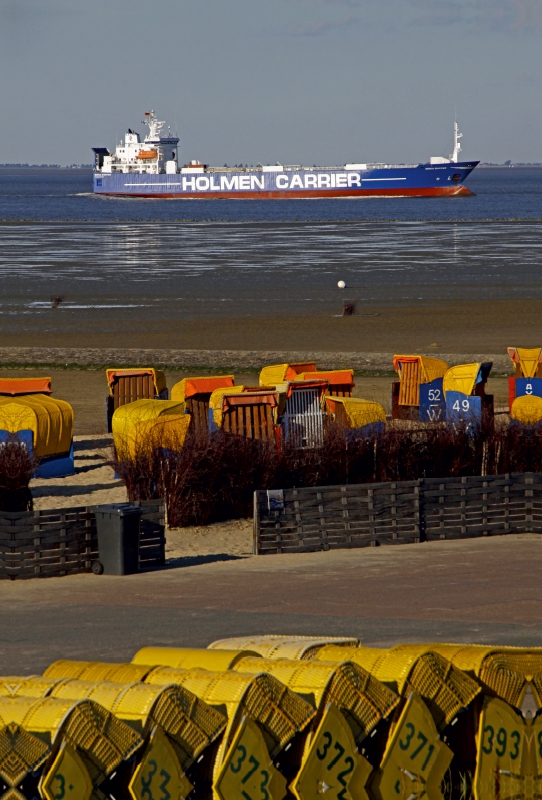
column 213, row 478
column 16, row 468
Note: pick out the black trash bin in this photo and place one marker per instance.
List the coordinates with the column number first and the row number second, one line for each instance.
column 118, row 539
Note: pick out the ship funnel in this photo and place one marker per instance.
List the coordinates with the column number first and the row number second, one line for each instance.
column 99, row 155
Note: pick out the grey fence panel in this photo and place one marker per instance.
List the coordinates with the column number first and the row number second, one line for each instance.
column 327, row 517
column 64, row 541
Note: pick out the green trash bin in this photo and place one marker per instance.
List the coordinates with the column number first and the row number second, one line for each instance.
column 118, row 528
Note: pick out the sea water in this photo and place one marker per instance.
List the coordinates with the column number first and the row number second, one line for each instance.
column 180, row 258
column 63, row 194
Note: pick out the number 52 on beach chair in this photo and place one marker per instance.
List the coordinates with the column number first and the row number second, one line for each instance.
column 418, row 394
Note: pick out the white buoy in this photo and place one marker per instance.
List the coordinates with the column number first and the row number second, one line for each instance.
column 341, row 285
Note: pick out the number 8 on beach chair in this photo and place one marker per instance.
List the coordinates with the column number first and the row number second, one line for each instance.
column 527, row 379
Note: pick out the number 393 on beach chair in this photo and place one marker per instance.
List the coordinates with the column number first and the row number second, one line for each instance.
column 418, row 395
column 465, row 391
column 527, row 379
column 128, row 385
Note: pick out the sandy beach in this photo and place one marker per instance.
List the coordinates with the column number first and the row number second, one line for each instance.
column 95, row 484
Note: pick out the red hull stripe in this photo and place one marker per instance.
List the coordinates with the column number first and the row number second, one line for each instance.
column 436, row 191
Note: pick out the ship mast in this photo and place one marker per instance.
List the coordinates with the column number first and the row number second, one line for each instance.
column 155, row 126
column 457, row 145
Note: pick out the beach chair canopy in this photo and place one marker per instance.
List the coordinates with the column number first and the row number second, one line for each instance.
column 278, row 373
column 527, row 409
column 158, row 377
column 49, row 419
column 155, row 423
column 413, row 371
column 527, row 360
column 249, row 399
column 341, row 377
column 188, row 387
column 356, row 413
column 299, row 386
column 15, row 387
column 464, row 377
column 428, row 368
column 216, row 405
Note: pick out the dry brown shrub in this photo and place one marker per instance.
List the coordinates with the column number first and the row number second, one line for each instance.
column 213, row 478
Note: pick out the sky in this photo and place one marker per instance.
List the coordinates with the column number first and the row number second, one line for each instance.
column 295, row 81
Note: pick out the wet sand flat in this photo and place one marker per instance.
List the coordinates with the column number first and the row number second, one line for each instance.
column 465, row 326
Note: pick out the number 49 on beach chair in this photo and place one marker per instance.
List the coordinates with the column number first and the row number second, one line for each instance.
column 465, row 390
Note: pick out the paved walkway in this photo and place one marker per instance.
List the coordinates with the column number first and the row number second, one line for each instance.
column 482, row 590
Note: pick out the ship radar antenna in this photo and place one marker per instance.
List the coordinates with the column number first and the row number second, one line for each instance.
column 155, row 125
column 457, row 145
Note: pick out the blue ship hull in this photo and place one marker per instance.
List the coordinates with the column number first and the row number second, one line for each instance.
column 423, row 180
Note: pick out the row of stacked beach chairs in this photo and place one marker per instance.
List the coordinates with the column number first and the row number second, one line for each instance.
column 291, row 404
column 429, row 390
column 273, row 717
column 138, row 408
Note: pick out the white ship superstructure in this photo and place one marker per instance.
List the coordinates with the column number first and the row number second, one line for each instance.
column 154, row 155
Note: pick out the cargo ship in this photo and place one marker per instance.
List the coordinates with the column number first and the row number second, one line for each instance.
column 150, row 168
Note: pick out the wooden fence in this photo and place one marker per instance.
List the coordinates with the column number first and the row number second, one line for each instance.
column 50, row 543
column 328, row 517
